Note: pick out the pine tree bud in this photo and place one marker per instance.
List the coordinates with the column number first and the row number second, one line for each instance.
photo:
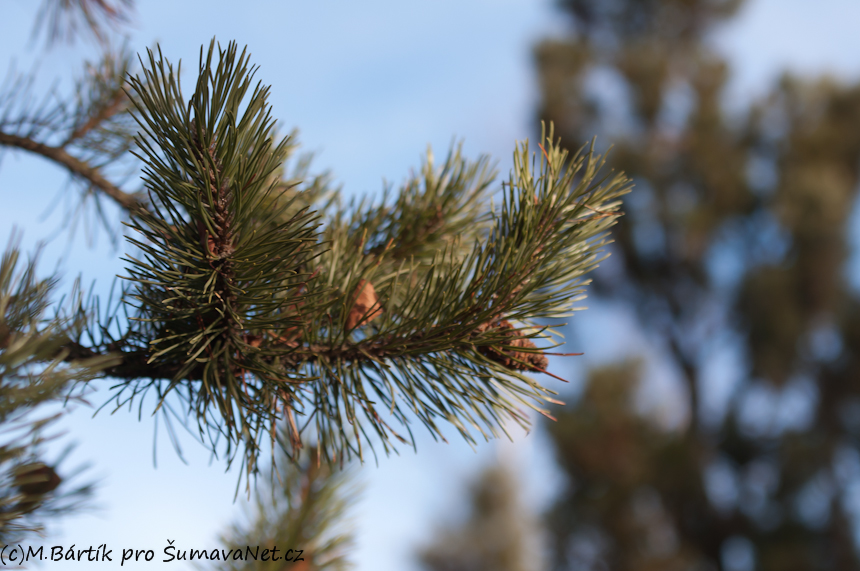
column 36, row 479
column 366, row 307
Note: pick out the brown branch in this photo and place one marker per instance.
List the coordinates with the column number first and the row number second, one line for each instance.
column 131, row 203
column 114, row 106
column 135, row 364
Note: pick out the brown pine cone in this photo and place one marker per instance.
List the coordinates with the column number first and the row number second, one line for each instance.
column 513, row 359
column 36, row 479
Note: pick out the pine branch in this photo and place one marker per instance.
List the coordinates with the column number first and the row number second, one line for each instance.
column 96, row 122
column 66, row 19
column 32, row 373
column 249, row 309
column 302, row 507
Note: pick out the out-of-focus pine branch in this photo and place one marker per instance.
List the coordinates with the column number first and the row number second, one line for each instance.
column 303, row 508
column 34, row 371
column 89, row 135
column 66, row 20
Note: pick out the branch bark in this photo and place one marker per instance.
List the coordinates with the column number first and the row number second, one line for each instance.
column 130, row 202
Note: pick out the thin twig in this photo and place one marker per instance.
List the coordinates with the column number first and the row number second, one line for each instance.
column 114, row 106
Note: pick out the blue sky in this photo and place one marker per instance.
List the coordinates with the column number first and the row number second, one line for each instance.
column 369, row 85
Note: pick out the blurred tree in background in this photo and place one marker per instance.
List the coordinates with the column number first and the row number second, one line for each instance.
column 499, row 534
column 735, row 249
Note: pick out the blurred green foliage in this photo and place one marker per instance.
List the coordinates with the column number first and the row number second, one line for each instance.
column 734, row 248
column 33, row 374
column 304, row 506
column 498, row 534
